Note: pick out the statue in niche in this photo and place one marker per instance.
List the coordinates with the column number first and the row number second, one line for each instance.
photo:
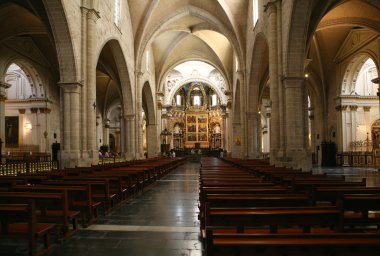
column 216, row 128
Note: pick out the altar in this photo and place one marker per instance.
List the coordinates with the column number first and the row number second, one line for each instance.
column 196, row 118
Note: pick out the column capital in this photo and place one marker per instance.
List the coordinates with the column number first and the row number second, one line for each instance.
column 341, row 108
column 21, row 111
column 139, row 74
column 366, row 108
column 353, row 107
column 129, row 117
column 92, row 14
column 34, row 110
column 45, row 110
column 293, row 81
column 270, row 7
column 2, row 98
column 70, row 86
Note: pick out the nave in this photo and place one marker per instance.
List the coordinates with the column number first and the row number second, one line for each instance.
column 161, row 220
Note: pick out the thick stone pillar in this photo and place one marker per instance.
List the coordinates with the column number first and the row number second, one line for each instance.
column 354, row 125
column 341, row 131
column 297, row 153
column 83, row 102
column 223, row 129
column 271, row 10
column 151, row 132
column 70, row 146
column 106, row 133
column 35, row 132
column 45, row 141
column 253, row 133
column 139, row 123
column 3, row 97
column 92, row 17
column 130, row 136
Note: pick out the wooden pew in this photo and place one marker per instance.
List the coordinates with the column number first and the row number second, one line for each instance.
column 333, row 194
column 255, row 200
column 18, row 221
column 80, row 198
column 274, row 219
column 99, row 189
column 310, row 185
column 361, row 209
column 50, row 207
column 316, row 244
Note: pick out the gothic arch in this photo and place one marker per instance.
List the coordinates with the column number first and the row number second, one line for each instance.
column 122, row 75
column 258, row 72
column 66, row 57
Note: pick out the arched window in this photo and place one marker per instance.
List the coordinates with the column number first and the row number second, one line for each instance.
column 255, row 12
column 178, row 100
column 213, row 100
column 117, row 12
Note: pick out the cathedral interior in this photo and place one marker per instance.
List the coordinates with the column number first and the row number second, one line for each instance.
column 293, row 82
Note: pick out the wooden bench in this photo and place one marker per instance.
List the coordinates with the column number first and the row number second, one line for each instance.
column 18, row 221
column 224, row 200
column 80, row 198
column 337, row 244
column 333, row 194
column 274, row 219
column 50, row 207
column 361, row 209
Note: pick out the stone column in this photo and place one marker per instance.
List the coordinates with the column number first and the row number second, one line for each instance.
column 130, row 136
column 3, row 97
column 92, row 17
column 106, row 133
column 70, row 146
column 271, row 10
column 35, row 133
column 223, row 129
column 354, row 126
column 253, row 135
column 139, row 130
column 151, row 131
column 83, row 102
column 21, row 126
column 297, row 153
column 45, row 142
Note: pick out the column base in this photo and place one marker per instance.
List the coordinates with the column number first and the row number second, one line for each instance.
column 299, row 158
column 295, row 158
column 69, row 159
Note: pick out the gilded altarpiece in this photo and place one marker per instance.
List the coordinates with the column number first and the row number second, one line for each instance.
column 196, row 130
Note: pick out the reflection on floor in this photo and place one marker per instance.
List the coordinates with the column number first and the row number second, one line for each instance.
column 162, row 221
column 372, row 175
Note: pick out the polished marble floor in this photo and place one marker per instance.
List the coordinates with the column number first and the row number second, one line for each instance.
column 372, row 175
column 163, row 220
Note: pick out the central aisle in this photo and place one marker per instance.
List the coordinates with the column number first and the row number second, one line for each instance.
column 162, row 221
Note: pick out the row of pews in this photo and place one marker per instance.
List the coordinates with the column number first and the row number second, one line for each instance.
column 52, row 204
column 248, row 207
